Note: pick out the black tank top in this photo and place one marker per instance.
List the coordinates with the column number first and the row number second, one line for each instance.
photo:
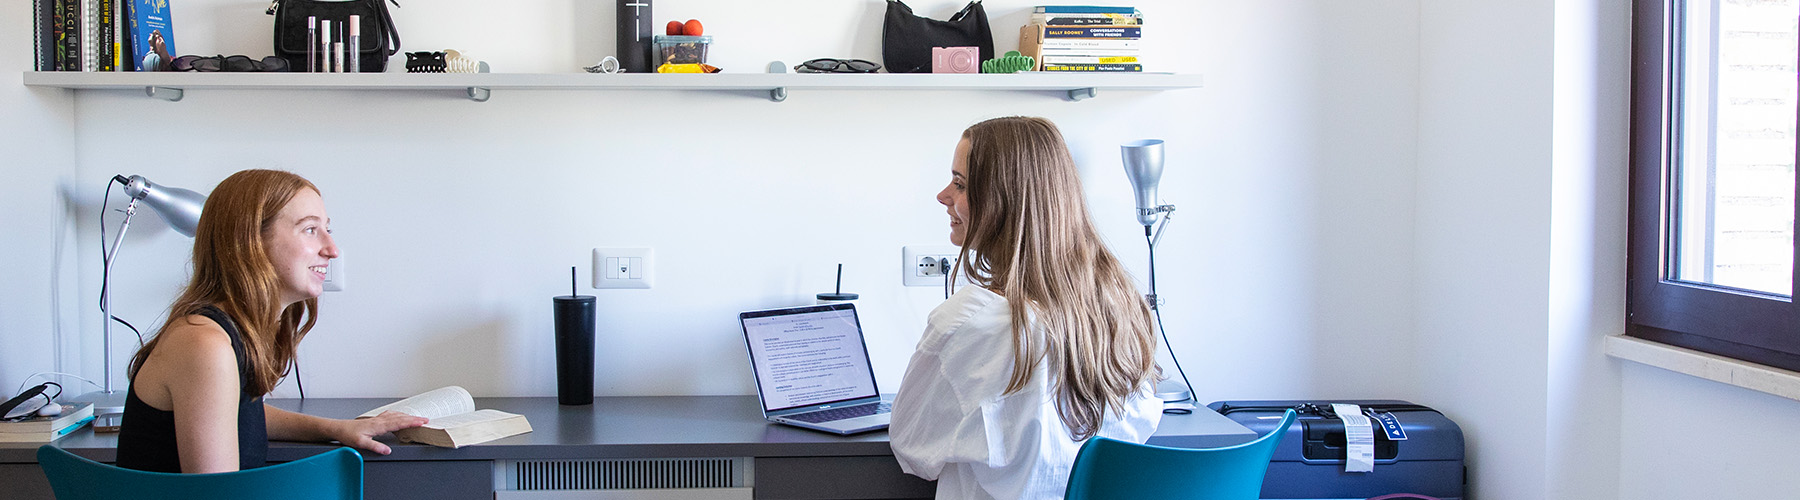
column 147, row 435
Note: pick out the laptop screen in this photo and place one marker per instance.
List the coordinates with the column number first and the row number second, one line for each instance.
column 807, row 356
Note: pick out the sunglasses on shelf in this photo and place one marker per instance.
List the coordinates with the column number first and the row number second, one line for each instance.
column 829, row 65
column 233, row 64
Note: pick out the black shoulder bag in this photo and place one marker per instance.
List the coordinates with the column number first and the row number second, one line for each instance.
column 379, row 38
column 907, row 39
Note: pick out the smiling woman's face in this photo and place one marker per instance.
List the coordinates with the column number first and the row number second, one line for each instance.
column 955, row 196
column 300, row 247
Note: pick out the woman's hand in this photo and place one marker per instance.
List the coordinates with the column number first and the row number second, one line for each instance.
column 360, row 433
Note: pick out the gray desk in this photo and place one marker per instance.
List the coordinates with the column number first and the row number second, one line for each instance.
column 787, row 462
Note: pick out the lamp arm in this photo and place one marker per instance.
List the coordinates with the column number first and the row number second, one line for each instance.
column 106, row 297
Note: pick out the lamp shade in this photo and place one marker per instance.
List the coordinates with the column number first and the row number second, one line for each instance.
column 180, row 207
column 1144, row 165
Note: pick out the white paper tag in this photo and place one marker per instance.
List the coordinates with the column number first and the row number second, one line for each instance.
column 1359, row 438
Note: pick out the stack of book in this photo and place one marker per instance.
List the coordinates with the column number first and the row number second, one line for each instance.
column 100, row 35
column 1083, row 38
column 47, row 429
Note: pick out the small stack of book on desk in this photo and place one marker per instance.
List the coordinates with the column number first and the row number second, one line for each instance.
column 47, row 429
column 1083, row 38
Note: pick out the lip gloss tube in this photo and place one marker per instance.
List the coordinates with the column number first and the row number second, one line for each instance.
column 312, row 47
column 337, row 50
column 325, row 47
column 355, row 44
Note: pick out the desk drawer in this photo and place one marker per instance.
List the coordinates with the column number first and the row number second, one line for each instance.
column 429, row 480
column 837, row 477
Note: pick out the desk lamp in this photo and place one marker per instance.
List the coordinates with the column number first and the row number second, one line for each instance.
column 181, row 208
column 1143, row 165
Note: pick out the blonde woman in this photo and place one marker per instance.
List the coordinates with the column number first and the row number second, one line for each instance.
column 195, row 400
column 1051, row 347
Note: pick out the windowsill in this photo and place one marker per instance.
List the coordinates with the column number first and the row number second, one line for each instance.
column 1712, row 367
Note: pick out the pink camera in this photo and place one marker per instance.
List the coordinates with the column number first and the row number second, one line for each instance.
column 955, row 60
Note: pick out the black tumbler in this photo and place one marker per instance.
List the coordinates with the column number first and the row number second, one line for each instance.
column 575, row 349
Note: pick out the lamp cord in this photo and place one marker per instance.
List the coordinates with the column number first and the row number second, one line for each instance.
column 1157, row 311
column 106, row 259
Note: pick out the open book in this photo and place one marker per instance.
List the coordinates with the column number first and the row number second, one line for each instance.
column 455, row 422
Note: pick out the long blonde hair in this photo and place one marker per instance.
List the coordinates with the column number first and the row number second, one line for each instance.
column 232, row 271
column 1030, row 238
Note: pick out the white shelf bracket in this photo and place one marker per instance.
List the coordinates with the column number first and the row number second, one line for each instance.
column 778, row 94
column 1083, row 94
column 164, row 93
column 479, row 94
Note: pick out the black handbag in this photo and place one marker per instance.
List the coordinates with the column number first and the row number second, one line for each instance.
column 379, row 38
column 907, row 39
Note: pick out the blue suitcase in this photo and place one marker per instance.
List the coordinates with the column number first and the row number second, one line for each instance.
column 1309, row 461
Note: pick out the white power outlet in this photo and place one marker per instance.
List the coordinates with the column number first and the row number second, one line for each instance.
column 925, row 265
column 335, row 279
column 624, row 267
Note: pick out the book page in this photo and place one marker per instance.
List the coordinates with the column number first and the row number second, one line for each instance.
column 433, row 404
column 471, row 418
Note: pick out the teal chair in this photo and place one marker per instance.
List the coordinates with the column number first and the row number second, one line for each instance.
column 333, row 475
column 1108, row 469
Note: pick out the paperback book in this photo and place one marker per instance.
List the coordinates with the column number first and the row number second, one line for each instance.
column 1099, row 32
column 152, row 35
column 1104, row 68
column 1086, row 20
column 47, row 429
column 455, row 422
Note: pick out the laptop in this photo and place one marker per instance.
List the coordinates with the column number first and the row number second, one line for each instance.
column 812, row 369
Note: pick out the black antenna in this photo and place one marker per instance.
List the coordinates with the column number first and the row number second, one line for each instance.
column 840, row 280
column 571, row 281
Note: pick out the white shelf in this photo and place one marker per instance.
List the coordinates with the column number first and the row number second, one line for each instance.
column 171, row 85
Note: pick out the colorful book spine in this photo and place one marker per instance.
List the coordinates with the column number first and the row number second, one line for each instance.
column 1088, row 43
column 1052, row 59
column 1103, row 68
column 71, row 36
column 1086, row 20
column 107, row 56
column 1083, row 9
column 1102, row 32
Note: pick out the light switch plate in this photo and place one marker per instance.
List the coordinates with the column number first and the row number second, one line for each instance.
column 624, row 267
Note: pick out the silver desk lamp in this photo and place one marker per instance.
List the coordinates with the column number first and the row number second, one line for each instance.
column 1144, row 165
column 181, row 208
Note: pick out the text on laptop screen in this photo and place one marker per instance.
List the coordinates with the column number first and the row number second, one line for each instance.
column 809, row 358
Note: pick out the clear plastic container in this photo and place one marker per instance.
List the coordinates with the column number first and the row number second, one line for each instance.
column 681, row 49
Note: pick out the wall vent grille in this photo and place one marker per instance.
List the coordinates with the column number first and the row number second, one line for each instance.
column 628, row 474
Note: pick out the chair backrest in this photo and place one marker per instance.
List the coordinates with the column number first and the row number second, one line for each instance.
column 1108, row 469
column 333, row 475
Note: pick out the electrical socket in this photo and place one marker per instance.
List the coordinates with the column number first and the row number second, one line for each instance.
column 624, row 267
column 335, row 278
column 922, row 265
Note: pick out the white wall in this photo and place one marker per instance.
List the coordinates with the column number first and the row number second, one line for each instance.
column 37, row 295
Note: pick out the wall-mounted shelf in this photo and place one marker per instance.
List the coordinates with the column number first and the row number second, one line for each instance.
column 477, row 86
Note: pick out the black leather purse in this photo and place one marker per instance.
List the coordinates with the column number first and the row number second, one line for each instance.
column 907, row 39
column 379, row 38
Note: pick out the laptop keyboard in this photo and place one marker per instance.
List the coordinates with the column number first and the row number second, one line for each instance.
column 846, row 412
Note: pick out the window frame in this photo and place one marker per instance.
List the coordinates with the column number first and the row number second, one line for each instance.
column 1749, row 326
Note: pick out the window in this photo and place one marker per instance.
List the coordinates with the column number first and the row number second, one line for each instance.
column 1712, row 177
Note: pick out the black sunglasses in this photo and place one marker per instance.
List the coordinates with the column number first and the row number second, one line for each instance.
column 829, row 65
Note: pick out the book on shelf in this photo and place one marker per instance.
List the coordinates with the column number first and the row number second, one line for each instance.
column 1083, row 9
column 70, row 39
column 1092, row 43
column 152, row 35
column 106, row 52
column 1094, row 32
column 454, row 421
column 46, row 429
column 1056, row 59
column 1097, row 68
column 1085, row 20
column 43, row 35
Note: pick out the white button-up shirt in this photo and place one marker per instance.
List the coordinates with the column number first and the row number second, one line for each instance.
column 951, row 424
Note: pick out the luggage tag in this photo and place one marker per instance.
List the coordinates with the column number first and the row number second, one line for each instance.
column 1359, row 438
column 1391, row 425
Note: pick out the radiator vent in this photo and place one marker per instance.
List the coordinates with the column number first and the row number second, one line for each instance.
column 626, row 474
